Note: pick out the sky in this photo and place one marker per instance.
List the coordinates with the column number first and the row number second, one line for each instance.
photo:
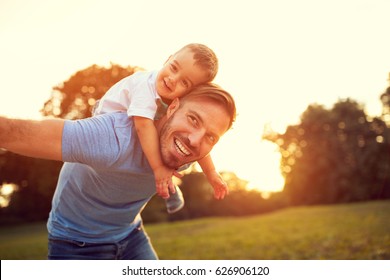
column 276, row 58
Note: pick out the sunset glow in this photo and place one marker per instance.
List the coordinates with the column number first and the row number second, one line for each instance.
column 276, row 58
column 6, row 191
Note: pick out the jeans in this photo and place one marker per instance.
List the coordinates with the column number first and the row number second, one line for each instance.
column 136, row 246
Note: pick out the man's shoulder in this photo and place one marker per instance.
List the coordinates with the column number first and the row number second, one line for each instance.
column 101, row 122
column 117, row 119
column 105, row 141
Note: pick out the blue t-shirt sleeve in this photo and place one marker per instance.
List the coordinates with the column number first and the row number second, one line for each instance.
column 91, row 141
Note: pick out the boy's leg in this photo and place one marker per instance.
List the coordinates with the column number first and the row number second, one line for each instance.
column 175, row 202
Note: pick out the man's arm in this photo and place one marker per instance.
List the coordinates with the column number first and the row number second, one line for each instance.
column 33, row 138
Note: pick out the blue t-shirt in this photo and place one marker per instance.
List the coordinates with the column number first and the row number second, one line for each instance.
column 105, row 182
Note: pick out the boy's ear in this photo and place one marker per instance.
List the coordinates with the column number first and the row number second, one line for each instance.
column 172, row 108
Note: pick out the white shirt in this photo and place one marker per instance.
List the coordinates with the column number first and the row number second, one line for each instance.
column 135, row 94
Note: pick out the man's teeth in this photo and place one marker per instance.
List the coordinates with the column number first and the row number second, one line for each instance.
column 181, row 149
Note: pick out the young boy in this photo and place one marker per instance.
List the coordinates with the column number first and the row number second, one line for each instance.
column 145, row 95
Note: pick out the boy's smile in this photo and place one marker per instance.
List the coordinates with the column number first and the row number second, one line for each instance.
column 178, row 75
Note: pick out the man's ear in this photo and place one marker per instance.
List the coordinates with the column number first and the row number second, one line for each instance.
column 172, row 108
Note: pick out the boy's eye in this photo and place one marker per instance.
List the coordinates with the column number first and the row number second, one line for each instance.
column 173, row 67
column 185, row 84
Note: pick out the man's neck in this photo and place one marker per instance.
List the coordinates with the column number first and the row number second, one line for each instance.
column 159, row 123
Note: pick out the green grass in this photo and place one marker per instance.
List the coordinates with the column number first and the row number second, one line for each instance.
column 348, row 231
column 24, row 242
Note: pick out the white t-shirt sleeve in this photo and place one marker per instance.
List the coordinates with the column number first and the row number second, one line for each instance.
column 142, row 102
column 116, row 98
column 134, row 94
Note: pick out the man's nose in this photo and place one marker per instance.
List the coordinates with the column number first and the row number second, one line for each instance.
column 196, row 138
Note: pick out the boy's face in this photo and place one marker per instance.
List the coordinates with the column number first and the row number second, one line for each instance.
column 179, row 75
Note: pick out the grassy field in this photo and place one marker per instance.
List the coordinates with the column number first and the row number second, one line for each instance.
column 341, row 232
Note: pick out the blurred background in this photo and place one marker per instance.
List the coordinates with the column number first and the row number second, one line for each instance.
column 310, row 78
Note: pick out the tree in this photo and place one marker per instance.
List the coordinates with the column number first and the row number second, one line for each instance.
column 75, row 98
column 37, row 178
column 200, row 201
column 385, row 140
column 333, row 156
column 385, row 99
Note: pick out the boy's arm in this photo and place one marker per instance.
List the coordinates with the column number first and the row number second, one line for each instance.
column 214, row 178
column 33, row 138
column 148, row 136
column 207, row 165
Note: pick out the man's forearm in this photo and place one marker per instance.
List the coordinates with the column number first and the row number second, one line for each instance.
column 40, row 139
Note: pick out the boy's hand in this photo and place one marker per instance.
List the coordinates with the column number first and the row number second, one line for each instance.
column 163, row 178
column 219, row 185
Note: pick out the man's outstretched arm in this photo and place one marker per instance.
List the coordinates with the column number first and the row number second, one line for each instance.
column 33, row 138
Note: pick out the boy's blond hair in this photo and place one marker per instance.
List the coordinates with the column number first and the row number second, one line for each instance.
column 204, row 57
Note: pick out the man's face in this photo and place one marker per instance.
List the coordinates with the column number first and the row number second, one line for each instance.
column 179, row 75
column 191, row 131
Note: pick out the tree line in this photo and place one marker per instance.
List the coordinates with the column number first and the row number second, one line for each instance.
column 335, row 155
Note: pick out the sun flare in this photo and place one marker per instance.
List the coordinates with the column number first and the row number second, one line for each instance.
column 251, row 159
column 263, row 173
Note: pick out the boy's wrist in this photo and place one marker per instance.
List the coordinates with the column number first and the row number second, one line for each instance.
column 156, row 168
column 210, row 172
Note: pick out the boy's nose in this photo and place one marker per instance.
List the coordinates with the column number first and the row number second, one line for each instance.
column 176, row 76
column 171, row 81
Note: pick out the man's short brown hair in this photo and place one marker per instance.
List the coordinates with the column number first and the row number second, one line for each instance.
column 216, row 94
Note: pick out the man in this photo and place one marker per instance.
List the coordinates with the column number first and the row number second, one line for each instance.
column 106, row 180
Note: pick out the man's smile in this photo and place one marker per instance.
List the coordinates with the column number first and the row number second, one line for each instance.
column 181, row 149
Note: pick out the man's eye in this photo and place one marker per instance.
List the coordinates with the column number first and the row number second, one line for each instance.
column 212, row 139
column 193, row 120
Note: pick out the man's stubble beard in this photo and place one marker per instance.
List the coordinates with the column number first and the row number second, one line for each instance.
column 166, row 157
